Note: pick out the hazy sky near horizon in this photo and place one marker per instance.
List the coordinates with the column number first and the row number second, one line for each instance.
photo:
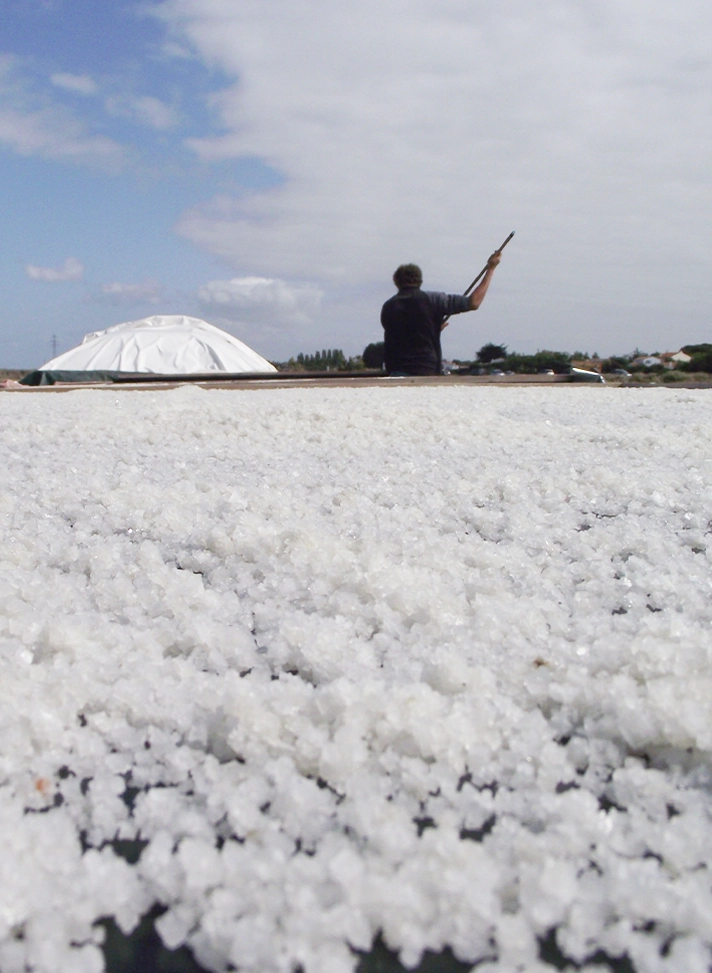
column 266, row 166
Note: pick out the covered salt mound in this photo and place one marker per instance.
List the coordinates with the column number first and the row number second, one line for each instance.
column 165, row 344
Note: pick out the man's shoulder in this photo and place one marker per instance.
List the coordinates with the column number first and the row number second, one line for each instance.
column 387, row 305
column 439, row 299
column 450, row 303
column 402, row 295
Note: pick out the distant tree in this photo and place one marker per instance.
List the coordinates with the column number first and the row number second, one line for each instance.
column 490, row 352
column 697, row 349
column 373, row 355
column 610, row 364
column 701, row 358
column 558, row 361
column 331, row 359
column 701, row 361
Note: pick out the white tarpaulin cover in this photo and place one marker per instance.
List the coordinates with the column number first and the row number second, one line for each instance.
column 165, row 344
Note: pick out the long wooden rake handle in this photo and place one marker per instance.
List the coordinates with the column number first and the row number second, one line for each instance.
column 481, row 274
column 479, row 277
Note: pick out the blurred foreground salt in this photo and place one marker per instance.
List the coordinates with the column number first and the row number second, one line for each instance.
column 431, row 662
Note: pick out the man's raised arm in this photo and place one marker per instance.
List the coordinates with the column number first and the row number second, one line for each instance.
column 478, row 294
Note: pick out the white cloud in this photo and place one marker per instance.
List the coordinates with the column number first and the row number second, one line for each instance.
column 429, row 132
column 172, row 50
column 78, row 84
column 146, row 292
column 31, row 126
column 72, row 269
column 274, row 302
column 55, row 135
column 144, row 109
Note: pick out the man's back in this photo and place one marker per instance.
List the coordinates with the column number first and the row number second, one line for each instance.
column 412, row 320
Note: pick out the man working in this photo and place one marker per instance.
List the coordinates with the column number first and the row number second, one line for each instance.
column 413, row 319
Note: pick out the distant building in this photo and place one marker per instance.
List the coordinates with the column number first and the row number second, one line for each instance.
column 672, row 358
column 646, row 361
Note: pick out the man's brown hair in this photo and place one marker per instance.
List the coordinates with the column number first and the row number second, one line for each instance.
column 408, row 275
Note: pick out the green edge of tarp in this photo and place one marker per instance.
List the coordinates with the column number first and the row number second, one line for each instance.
column 40, row 377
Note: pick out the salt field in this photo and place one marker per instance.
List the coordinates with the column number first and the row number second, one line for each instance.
column 300, row 668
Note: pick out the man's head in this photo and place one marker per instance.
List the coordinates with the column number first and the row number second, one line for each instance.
column 408, row 275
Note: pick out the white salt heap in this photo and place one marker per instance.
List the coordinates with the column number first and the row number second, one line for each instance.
column 164, row 344
column 431, row 661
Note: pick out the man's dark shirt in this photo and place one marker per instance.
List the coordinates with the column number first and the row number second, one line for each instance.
column 412, row 320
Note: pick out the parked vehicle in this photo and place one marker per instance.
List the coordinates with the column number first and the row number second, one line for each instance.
column 585, row 375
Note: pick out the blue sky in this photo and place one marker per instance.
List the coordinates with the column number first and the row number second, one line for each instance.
column 265, row 165
column 102, row 184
